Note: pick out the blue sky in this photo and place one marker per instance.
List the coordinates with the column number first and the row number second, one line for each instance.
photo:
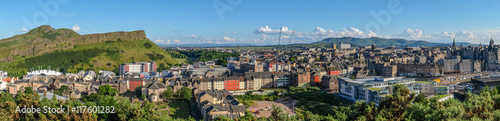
column 259, row 21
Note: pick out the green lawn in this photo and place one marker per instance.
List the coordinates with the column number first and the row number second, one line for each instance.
column 178, row 109
column 374, row 89
column 440, row 96
column 162, row 106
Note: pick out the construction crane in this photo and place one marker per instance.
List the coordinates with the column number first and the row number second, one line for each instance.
column 291, row 38
column 277, row 52
column 279, row 39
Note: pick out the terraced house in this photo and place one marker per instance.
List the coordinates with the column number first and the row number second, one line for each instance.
column 213, row 103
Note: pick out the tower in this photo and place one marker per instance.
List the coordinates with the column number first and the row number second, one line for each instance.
column 454, row 43
column 373, row 46
column 492, row 43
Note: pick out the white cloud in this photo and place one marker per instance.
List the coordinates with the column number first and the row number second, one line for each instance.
column 465, row 35
column 321, row 31
column 167, row 41
column 269, row 36
column 462, row 36
column 76, row 28
column 443, row 35
column 409, row 34
column 190, row 36
column 158, row 41
column 24, row 30
column 229, row 39
column 267, row 30
column 307, row 37
column 345, row 32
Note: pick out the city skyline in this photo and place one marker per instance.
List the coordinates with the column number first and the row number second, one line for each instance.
column 258, row 22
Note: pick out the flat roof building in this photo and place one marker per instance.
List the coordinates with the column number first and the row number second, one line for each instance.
column 371, row 88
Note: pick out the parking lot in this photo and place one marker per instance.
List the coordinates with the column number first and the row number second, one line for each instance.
column 264, row 107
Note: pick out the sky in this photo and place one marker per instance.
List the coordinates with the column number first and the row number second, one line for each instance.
column 259, row 21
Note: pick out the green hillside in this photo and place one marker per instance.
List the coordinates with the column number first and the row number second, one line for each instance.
column 65, row 50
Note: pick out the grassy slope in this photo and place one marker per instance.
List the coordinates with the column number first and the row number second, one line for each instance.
column 130, row 49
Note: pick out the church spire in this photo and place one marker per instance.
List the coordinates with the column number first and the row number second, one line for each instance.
column 454, row 42
column 492, row 43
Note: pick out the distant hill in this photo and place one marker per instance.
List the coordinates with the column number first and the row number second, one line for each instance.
column 69, row 51
column 380, row 42
column 205, row 45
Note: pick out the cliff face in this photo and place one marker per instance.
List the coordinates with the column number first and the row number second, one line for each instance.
column 45, row 39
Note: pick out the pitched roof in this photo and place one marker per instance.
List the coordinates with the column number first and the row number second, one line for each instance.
column 9, row 79
column 157, row 85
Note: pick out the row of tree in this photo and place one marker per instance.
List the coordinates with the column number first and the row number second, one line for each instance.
column 314, row 105
column 124, row 110
column 205, row 55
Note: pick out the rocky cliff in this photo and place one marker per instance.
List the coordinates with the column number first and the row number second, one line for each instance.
column 45, row 39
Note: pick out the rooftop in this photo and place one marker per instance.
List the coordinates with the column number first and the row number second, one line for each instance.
column 374, row 89
column 423, row 82
column 369, row 79
column 493, row 79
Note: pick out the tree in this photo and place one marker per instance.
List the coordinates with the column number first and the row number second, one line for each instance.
column 292, row 58
column 63, row 88
column 161, row 67
column 221, row 118
column 222, row 62
column 367, row 110
column 28, row 90
column 421, row 99
column 90, row 98
column 107, row 90
column 167, row 94
column 185, row 93
column 395, row 105
column 277, row 110
column 148, row 45
column 138, row 91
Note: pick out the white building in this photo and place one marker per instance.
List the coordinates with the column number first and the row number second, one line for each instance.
column 3, row 74
column 344, row 45
column 371, row 88
column 138, row 67
column 45, row 72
